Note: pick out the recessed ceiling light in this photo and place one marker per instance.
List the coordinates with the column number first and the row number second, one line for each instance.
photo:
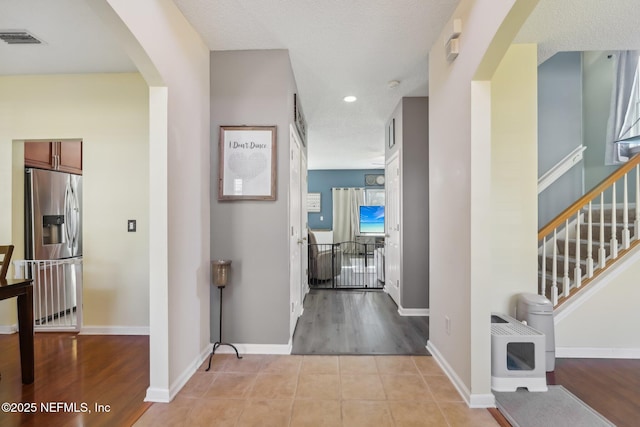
column 350, row 98
column 393, row 84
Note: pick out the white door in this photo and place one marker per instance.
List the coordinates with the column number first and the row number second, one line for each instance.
column 295, row 231
column 392, row 228
column 304, row 186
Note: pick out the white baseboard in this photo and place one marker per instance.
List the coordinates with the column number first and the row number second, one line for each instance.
column 597, row 353
column 8, row 329
column 472, row 400
column 114, row 330
column 413, row 311
column 257, row 348
column 160, row 395
column 163, row 395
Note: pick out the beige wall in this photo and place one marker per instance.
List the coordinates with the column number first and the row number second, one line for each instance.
column 175, row 64
column 514, row 179
column 110, row 113
column 460, row 178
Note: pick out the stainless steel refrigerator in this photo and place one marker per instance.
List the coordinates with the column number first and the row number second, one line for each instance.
column 53, row 239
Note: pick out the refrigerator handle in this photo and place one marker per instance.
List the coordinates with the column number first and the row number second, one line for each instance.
column 67, row 214
column 75, row 208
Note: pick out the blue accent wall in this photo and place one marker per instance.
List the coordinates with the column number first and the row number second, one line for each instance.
column 322, row 181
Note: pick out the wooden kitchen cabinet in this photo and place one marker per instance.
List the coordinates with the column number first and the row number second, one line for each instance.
column 64, row 156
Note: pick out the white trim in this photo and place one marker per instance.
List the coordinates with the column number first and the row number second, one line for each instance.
column 413, row 311
column 594, row 287
column 157, row 395
column 164, row 395
column 8, row 329
column 472, row 400
column 114, row 330
column 257, row 349
column 560, row 168
column 597, row 353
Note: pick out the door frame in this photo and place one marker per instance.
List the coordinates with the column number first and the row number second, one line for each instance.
column 297, row 239
column 394, row 290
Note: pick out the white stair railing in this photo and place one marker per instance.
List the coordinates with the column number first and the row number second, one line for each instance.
column 614, row 236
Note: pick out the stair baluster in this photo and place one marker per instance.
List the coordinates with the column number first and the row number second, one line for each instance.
column 602, row 254
column 636, row 224
column 590, row 242
column 566, row 282
column 543, row 278
column 626, row 238
column 614, row 224
column 577, row 271
column 554, row 269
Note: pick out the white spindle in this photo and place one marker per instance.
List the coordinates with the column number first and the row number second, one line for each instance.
column 566, row 282
column 589, row 242
column 577, row 271
column 636, row 224
column 543, row 276
column 626, row 236
column 602, row 253
column 614, row 225
column 554, row 270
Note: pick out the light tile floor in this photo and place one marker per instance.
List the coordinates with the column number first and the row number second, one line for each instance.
column 350, row 391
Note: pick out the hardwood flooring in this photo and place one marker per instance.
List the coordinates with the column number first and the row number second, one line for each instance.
column 610, row 386
column 76, row 370
column 357, row 322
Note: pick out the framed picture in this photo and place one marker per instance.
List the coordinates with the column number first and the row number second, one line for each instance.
column 299, row 120
column 392, row 133
column 313, row 202
column 247, row 163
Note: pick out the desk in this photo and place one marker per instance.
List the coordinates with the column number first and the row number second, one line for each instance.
column 23, row 289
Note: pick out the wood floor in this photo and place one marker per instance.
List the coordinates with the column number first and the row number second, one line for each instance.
column 357, row 322
column 610, row 386
column 76, row 370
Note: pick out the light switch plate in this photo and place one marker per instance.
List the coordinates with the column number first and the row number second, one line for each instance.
column 131, row 225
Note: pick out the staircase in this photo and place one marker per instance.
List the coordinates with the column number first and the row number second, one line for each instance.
column 591, row 235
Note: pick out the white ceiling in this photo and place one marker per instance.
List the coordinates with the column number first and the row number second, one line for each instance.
column 337, row 48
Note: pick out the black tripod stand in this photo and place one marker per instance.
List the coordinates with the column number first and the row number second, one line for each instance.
column 219, row 342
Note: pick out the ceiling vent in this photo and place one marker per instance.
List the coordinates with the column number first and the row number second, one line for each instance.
column 18, row 37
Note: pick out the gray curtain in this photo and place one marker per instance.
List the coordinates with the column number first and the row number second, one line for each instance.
column 346, row 202
column 623, row 111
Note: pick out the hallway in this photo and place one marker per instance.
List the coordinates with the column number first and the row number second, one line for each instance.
column 357, row 322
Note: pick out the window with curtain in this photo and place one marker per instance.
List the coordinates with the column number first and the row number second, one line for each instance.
column 346, row 202
column 623, row 130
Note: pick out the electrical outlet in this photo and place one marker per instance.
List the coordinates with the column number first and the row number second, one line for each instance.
column 447, row 325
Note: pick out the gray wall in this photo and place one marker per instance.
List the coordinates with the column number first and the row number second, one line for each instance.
column 252, row 88
column 559, row 130
column 412, row 139
column 597, row 82
column 415, row 202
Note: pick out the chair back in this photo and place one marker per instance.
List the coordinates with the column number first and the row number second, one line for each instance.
column 5, row 258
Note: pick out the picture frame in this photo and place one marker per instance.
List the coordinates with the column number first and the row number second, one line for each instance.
column 314, row 202
column 392, row 133
column 299, row 120
column 247, row 158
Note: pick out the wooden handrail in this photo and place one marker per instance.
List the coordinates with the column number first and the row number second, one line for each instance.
column 582, row 201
